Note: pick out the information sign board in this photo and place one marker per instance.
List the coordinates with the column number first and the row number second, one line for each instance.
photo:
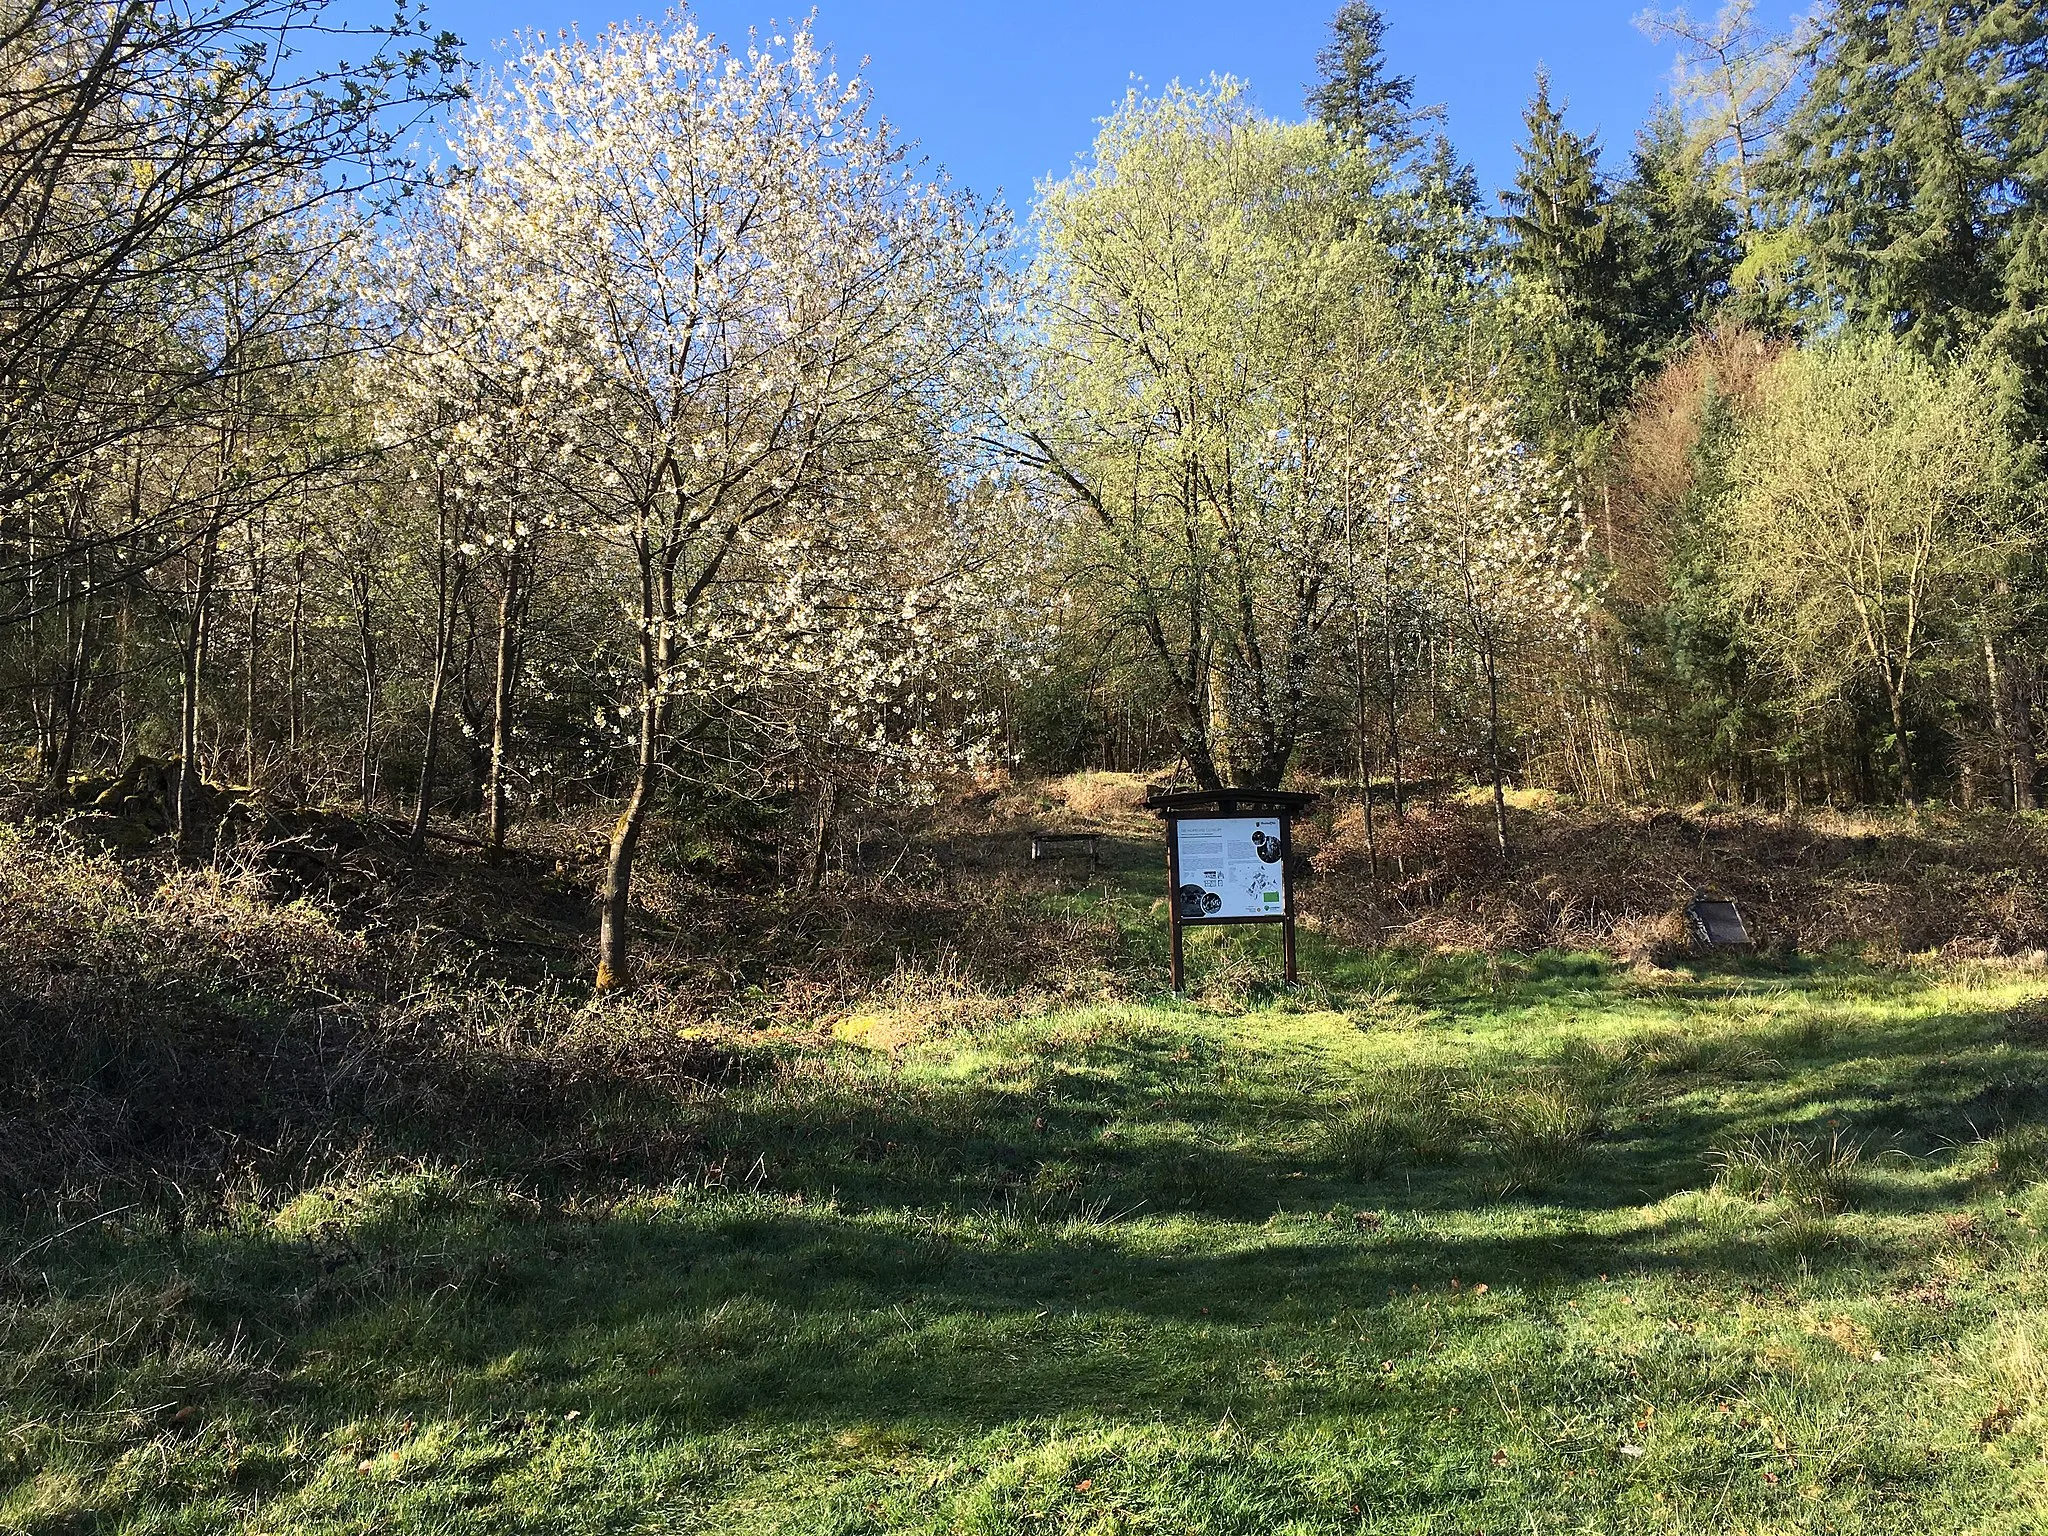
column 1230, row 868
column 1227, row 857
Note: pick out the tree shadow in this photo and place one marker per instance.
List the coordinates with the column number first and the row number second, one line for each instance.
column 744, row 1312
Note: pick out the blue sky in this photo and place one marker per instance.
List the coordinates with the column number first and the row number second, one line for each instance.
column 1001, row 94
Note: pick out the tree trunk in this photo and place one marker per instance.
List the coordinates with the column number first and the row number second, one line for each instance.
column 1218, row 735
column 367, row 636
column 1372, row 841
column 1394, row 725
column 1500, row 799
column 501, row 714
column 249, row 668
column 76, row 654
column 188, row 711
column 821, row 828
column 124, row 644
column 32, row 632
column 657, row 658
column 418, row 841
column 2020, row 696
column 257, row 566
column 2010, row 683
column 1202, row 762
column 295, row 685
column 1902, row 752
column 449, row 580
column 614, row 971
column 2001, row 736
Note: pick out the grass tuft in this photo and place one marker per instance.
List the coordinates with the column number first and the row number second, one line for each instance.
column 1805, row 1172
column 1538, row 1128
column 1404, row 1117
column 2018, row 1156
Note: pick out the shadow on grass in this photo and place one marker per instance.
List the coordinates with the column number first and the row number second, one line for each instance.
column 1111, row 1215
column 1175, row 1120
column 707, row 1314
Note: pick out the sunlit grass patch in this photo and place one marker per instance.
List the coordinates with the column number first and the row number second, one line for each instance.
column 1122, row 1265
column 1414, row 1115
column 2017, row 1156
column 1538, row 1128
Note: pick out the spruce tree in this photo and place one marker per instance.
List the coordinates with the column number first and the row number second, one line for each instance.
column 1355, row 94
column 1674, row 243
column 1563, row 275
column 1414, row 190
column 1448, row 241
column 1910, row 174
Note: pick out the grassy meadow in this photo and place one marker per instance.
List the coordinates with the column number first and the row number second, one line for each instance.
column 1438, row 1244
column 575, row 615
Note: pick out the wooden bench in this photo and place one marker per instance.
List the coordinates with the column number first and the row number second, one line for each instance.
column 1054, row 845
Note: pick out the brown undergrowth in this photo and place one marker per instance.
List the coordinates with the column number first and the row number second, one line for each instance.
column 174, row 1033
column 1967, row 884
column 296, row 1003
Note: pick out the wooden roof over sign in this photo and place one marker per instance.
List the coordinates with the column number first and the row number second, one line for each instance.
column 1227, row 801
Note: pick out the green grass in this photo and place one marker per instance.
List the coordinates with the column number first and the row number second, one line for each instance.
column 1439, row 1246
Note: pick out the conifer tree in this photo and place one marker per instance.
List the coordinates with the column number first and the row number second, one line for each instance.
column 1563, row 274
column 1673, row 240
column 1447, row 244
column 1555, row 208
column 1420, row 197
column 1355, row 94
column 1910, row 174
column 1734, row 82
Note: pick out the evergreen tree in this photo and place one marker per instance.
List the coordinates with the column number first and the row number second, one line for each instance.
column 1356, row 96
column 2021, row 329
column 1910, row 175
column 1556, row 208
column 1674, row 244
column 1608, row 280
column 1422, row 200
column 1354, row 93
column 1563, row 276
column 1447, row 245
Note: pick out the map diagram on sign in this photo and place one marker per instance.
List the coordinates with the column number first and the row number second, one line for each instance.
column 1230, row 868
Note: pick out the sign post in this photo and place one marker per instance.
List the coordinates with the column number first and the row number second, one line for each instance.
column 1229, row 859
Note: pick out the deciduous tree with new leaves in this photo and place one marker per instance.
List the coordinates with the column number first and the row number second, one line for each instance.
column 1222, row 333
column 1733, row 82
column 1877, row 507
